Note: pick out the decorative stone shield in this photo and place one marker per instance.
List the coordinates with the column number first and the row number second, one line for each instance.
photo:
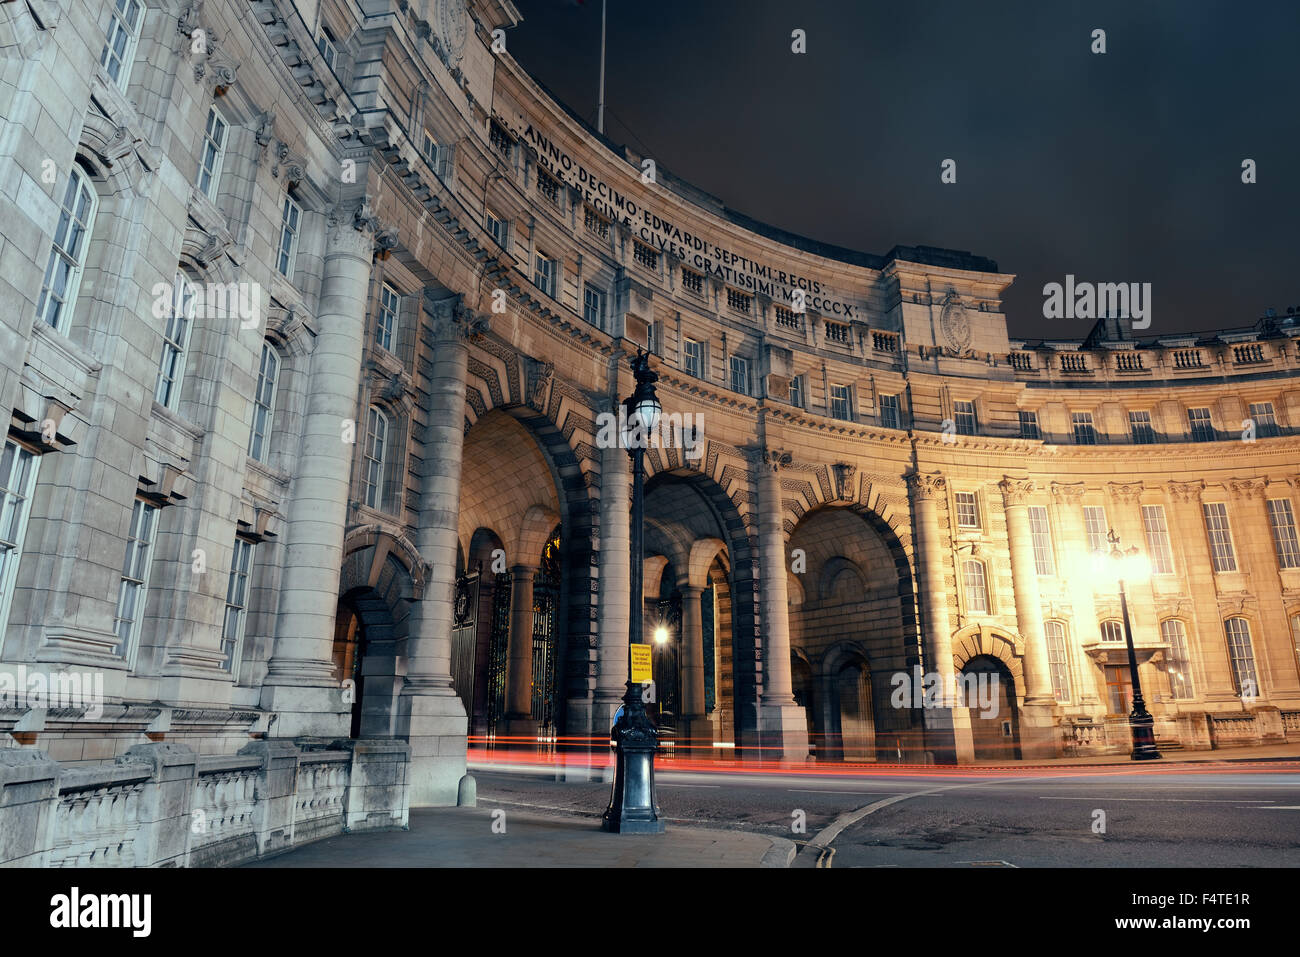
column 955, row 325
column 453, row 27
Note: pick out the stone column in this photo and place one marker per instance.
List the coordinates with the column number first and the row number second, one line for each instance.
column 519, row 655
column 1039, row 736
column 430, row 715
column 950, row 741
column 1076, row 567
column 300, row 685
column 695, row 725
column 612, row 589
column 782, row 724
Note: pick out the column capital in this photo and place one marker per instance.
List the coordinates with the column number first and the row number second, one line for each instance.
column 1246, row 488
column 926, row 487
column 1127, row 492
column 774, row 459
column 1069, row 493
column 354, row 229
column 690, row 591
column 1186, row 491
column 1015, row 491
column 453, row 320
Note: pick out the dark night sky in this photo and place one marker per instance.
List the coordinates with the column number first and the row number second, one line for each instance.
column 1123, row 167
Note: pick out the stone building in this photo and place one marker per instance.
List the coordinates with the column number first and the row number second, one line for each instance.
column 314, row 316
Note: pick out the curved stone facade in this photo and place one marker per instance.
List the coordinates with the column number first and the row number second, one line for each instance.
column 372, row 490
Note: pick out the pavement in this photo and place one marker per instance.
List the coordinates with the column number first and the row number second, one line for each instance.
column 501, row 837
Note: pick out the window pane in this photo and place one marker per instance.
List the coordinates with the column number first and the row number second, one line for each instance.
column 1056, row 660
column 1216, row 527
column 1282, row 519
column 1157, row 532
column 1242, row 656
column 1041, row 532
column 977, row 596
column 1180, row 663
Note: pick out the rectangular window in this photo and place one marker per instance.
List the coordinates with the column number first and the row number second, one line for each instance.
column 325, row 44
column 214, row 150
column 67, row 252
column 1041, row 531
column 840, row 402
column 429, row 147
column 373, row 458
column 1157, row 532
column 1201, row 426
column 1084, row 433
column 977, row 591
column 232, row 627
column 390, row 306
column 176, row 337
column 967, row 421
column 497, row 229
column 740, row 375
column 135, row 577
column 1057, row 662
column 290, row 220
column 890, row 414
column 1242, row 656
column 796, row 392
column 544, row 274
column 693, row 358
column 123, row 32
column 968, row 509
column 1029, row 425
column 1094, row 524
column 1282, row 518
column 1220, row 536
column 1139, row 424
column 17, row 478
column 259, row 441
column 593, row 305
column 1261, row 413
column 1179, row 664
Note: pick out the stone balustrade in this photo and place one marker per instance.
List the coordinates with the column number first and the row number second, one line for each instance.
column 160, row 805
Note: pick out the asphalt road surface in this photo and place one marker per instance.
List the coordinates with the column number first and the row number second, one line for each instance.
column 1238, row 815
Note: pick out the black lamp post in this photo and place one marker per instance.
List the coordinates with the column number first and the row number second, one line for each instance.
column 1140, row 721
column 632, row 806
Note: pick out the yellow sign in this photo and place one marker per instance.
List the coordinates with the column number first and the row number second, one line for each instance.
column 640, row 664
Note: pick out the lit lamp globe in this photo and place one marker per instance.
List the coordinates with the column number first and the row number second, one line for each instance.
column 661, row 635
column 642, row 411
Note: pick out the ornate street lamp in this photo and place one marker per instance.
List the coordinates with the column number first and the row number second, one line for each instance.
column 632, row 806
column 1140, row 720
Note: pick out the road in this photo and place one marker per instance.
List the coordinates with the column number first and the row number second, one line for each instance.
column 1231, row 815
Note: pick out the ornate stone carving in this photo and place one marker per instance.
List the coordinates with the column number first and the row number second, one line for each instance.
column 1068, row 493
column 1015, row 492
column 285, row 161
column 1128, row 493
column 844, row 476
column 1186, row 491
column 775, row 459
column 264, row 133
column 926, row 486
column 539, row 381
column 453, row 28
column 1246, row 488
column 955, row 325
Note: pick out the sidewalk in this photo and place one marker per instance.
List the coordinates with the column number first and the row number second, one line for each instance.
column 464, row 837
column 1271, row 752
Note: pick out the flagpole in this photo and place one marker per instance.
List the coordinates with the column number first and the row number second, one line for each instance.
column 600, row 106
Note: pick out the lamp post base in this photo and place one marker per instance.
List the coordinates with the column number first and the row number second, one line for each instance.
column 632, row 807
column 1144, row 737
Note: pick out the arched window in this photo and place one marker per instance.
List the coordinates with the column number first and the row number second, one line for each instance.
column 1057, row 663
column 1242, row 657
column 1112, row 631
column 373, row 457
column 176, row 337
column 119, row 46
column 977, row 591
column 67, row 259
column 1174, row 635
column 259, row 441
